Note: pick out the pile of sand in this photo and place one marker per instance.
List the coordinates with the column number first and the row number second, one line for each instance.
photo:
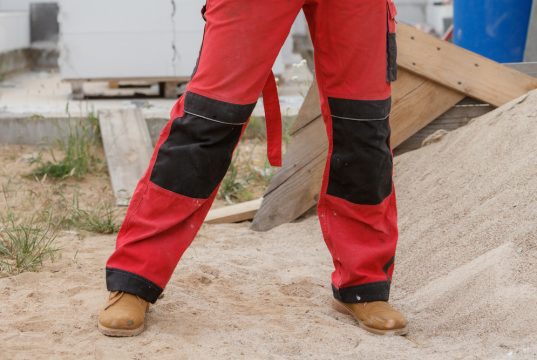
column 465, row 274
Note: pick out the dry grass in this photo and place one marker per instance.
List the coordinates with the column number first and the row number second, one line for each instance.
column 78, row 153
column 26, row 241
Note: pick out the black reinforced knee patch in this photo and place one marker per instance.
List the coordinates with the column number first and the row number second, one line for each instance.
column 361, row 163
column 197, row 153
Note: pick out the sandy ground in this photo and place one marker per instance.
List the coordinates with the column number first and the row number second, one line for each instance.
column 466, row 273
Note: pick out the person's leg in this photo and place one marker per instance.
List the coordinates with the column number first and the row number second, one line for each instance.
column 355, row 63
column 241, row 42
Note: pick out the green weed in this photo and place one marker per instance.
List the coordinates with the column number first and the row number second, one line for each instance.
column 255, row 129
column 78, row 150
column 102, row 219
column 26, row 243
column 238, row 183
column 233, row 188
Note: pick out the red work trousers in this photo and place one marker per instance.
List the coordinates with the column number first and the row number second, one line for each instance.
column 355, row 54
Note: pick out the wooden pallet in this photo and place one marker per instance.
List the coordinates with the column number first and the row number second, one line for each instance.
column 167, row 86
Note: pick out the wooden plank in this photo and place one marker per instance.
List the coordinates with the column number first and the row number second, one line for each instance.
column 531, row 43
column 459, row 69
column 128, row 148
column 149, row 80
column 309, row 110
column 295, row 187
column 456, row 117
column 459, row 115
column 416, row 109
column 233, row 213
column 113, row 84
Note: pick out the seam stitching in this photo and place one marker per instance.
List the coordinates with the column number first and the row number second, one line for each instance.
column 218, row 121
column 356, row 119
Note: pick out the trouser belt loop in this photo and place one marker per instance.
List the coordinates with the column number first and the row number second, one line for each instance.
column 273, row 118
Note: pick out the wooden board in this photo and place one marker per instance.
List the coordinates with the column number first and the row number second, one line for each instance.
column 233, row 213
column 459, row 69
column 459, row 115
column 453, row 119
column 128, row 148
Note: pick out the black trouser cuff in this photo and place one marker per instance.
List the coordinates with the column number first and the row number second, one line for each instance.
column 376, row 291
column 121, row 280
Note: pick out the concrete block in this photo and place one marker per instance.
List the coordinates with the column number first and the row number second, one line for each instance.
column 14, row 30
column 118, row 16
column 116, row 55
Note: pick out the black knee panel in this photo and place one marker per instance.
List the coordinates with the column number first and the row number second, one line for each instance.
column 197, row 153
column 361, row 164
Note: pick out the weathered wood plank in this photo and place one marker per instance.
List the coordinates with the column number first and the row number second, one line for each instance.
column 451, row 120
column 460, row 69
column 309, row 110
column 128, row 148
column 413, row 111
column 233, row 213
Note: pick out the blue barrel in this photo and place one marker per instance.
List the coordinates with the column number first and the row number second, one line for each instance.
column 496, row 29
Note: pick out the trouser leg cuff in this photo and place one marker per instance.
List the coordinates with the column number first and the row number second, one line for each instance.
column 121, row 280
column 377, row 291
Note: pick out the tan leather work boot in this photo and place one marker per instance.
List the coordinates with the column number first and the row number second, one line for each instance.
column 377, row 317
column 123, row 315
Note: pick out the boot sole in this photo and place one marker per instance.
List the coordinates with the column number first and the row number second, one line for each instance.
column 340, row 307
column 120, row 332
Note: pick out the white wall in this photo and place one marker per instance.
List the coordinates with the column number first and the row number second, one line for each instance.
column 14, row 30
column 132, row 38
column 424, row 12
column 16, row 5
column 411, row 11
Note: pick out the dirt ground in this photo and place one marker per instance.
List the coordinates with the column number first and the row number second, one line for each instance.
column 466, row 273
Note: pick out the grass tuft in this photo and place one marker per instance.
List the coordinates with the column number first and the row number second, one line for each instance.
column 25, row 244
column 102, row 219
column 233, row 188
column 238, row 184
column 78, row 149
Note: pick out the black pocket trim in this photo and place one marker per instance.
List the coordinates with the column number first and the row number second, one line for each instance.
column 361, row 162
column 392, row 57
column 197, row 153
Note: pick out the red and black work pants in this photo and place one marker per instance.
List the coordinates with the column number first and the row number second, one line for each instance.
column 355, row 54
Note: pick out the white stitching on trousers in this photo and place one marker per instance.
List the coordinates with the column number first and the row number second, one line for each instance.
column 347, row 118
column 218, row 121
